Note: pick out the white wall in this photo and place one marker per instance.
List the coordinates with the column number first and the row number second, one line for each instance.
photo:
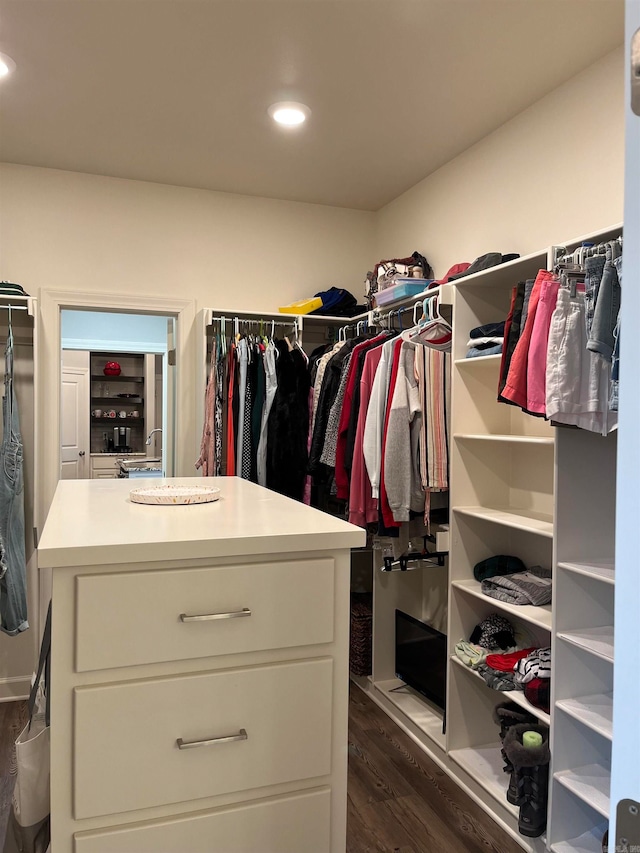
column 64, row 231
column 553, row 172
column 68, row 231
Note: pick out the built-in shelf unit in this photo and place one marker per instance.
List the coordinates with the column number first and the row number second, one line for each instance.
column 547, row 495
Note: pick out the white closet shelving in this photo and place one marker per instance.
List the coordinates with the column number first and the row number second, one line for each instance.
column 582, row 642
column 518, row 486
column 502, row 487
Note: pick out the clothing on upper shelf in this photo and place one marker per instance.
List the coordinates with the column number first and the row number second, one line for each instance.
column 483, row 343
column 494, row 632
column 506, row 662
column 535, row 665
column 501, row 564
column 491, row 330
column 561, row 358
column 488, row 349
column 470, row 653
column 529, row 587
column 486, row 340
column 538, row 693
column 496, row 679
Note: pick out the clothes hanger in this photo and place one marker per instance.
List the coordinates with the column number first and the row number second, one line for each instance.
column 433, row 330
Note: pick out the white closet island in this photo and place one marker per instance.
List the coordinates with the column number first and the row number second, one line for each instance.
column 256, row 687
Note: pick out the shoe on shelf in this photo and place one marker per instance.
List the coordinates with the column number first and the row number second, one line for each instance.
column 509, row 714
column 531, row 769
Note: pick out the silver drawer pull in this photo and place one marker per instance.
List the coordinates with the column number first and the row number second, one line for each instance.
column 205, row 617
column 191, row 744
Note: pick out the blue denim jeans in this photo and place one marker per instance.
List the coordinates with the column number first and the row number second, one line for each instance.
column 607, row 306
column 615, row 360
column 13, row 569
column 594, row 267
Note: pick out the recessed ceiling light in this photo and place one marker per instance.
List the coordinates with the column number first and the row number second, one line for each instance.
column 7, row 65
column 289, row 113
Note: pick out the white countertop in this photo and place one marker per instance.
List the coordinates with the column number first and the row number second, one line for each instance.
column 120, row 453
column 93, row 522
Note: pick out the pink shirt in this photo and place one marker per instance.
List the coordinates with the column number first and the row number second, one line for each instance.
column 341, row 474
column 363, row 508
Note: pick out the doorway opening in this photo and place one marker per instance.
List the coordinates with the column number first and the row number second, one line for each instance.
column 117, row 400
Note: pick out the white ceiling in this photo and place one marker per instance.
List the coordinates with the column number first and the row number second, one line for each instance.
column 176, row 91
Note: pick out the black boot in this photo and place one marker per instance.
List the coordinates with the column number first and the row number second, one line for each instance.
column 508, row 714
column 531, row 765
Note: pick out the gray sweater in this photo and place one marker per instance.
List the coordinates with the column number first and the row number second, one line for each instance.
column 402, row 450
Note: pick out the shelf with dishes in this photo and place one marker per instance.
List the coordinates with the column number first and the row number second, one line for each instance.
column 101, row 377
column 119, row 399
column 131, row 420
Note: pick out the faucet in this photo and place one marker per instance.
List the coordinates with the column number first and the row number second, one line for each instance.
column 151, row 433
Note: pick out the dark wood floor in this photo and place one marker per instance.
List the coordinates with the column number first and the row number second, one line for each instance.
column 399, row 801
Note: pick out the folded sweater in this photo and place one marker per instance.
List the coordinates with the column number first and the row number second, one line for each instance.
column 530, row 587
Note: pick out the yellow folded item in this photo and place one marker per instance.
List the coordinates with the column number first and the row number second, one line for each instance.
column 304, row 306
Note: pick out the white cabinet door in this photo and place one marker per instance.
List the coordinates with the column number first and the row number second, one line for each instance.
column 625, row 771
column 74, row 424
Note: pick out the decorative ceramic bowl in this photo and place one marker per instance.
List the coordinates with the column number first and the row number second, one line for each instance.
column 112, row 368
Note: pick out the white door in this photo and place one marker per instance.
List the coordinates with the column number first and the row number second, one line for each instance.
column 74, row 424
column 625, row 770
column 169, row 394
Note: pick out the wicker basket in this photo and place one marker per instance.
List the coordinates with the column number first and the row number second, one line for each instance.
column 361, row 629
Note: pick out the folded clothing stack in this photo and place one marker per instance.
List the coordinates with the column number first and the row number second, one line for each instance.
column 485, row 340
column 524, row 669
column 337, row 302
column 530, row 587
column 537, row 664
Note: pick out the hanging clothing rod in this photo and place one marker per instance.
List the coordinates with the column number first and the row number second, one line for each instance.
column 562, row 255
column 14, row 307
column 254, row 322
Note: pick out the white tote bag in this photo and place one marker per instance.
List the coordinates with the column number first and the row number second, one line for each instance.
column 28, row 830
